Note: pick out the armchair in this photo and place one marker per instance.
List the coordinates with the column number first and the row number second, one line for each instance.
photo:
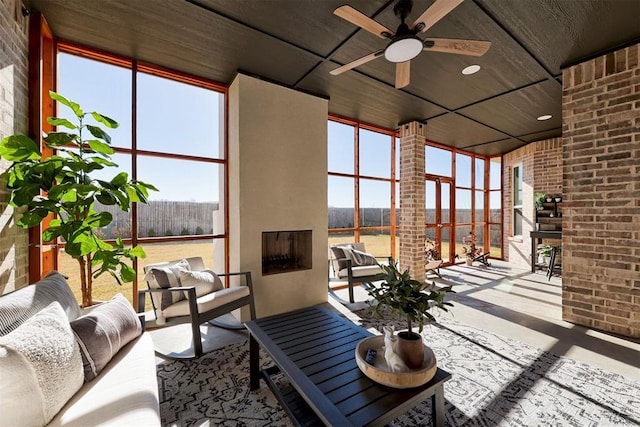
column 185, row 292
column 346, row 267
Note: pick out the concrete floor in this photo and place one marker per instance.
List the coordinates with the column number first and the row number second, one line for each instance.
column 504, row 299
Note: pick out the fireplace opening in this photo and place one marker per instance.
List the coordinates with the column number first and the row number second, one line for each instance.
column 286, row 251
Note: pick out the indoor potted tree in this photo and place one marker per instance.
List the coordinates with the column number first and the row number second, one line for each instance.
column 60, row 189
column 409, row 299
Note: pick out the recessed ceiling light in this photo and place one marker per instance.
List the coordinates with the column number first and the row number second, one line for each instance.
column 471, row 69
column 544, row 117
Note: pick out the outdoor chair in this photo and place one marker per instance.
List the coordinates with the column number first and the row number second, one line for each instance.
column 351, row 263
column 184, row 291
column 432, row 266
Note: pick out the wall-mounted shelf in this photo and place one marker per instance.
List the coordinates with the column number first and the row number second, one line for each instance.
column 550, row 217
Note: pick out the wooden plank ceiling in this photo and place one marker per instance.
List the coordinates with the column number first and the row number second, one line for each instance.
column 297, row 42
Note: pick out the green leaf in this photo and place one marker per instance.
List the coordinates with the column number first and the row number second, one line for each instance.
column 138, row 252
column 103, row 162
column 18, row 148
column 98, row 220
column 106, row 198
column 127, row 273
column 59, row 121
column 133, row 195
column 100, row 147
column 120, row 179
column 51, row 233
column 64, row 101
column 107, row 121
column 55, row 139
column 99, row 133
column 32, row 218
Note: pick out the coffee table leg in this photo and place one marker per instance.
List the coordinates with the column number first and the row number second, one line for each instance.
column 254, row 363
column 437, row 407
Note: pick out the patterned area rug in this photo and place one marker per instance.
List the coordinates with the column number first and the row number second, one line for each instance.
column 496, row 381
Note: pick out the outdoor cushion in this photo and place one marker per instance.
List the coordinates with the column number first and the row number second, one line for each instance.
column 164, row 277
column 205, row 281
column 208, row 302
column 361, row 271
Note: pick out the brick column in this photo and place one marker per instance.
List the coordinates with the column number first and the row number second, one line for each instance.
column 601, row 180
column 412, row 198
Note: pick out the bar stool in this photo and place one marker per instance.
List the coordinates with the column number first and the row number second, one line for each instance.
column 552, row 262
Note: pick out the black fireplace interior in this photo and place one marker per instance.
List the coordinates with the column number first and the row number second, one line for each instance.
column 286, row 251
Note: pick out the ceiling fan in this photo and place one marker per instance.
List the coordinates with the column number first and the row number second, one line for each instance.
column 405, row 44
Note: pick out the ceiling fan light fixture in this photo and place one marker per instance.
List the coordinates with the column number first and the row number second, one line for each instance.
column 403, row 49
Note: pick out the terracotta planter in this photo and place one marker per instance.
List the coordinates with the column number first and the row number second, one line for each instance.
column 410, row 349
column 469, row 261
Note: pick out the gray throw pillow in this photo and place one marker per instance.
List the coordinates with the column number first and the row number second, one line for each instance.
column 338, row 254
column 165, row 277
column 103, row 332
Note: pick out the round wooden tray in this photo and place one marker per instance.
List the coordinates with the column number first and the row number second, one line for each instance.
column 380, row 373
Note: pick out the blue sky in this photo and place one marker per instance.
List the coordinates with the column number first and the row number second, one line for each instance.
column 172, row 117
column 178, row 118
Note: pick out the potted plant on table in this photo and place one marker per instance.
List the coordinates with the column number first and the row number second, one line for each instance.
column 60, row 191
column 409, row 299
column 469, row 249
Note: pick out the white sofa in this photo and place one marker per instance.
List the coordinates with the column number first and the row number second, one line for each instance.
column 125, row 392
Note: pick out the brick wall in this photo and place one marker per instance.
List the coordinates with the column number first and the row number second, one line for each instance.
column 13, row 119
column 412, row 198
column 601, row 229
column 542, row 164
column 547, row 166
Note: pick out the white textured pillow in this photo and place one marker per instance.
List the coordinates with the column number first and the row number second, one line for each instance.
column 40, row 368
column 205, row 281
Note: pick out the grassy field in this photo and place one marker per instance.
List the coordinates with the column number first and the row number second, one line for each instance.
column 104, row 287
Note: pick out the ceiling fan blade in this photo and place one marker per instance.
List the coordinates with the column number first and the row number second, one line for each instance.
column 354, row 64
column 361, row 20
column 461, row 47
column 435, row 12
column 403, row 70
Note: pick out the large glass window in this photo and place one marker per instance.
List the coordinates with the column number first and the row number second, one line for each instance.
column 476, row 206
column 362, row 191
column 178, row 145
column 438, row 161
column 517, row 200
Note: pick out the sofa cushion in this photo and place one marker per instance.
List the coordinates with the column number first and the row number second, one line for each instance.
column 18, row 306
column 124, row 394
column 362, row 271
column 205, row 281
column 40, row 367
column 103, row 332
column 165, row 277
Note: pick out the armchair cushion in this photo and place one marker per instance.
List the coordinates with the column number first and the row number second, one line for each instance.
column 361, row 271
column 103, row 332
column 205, row 281
column 209, row 301
column 165, row 277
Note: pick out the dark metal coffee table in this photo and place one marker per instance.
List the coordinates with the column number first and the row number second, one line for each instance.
column 315, row 349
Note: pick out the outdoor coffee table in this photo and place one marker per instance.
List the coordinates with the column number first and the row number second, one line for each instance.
column 315, row 349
